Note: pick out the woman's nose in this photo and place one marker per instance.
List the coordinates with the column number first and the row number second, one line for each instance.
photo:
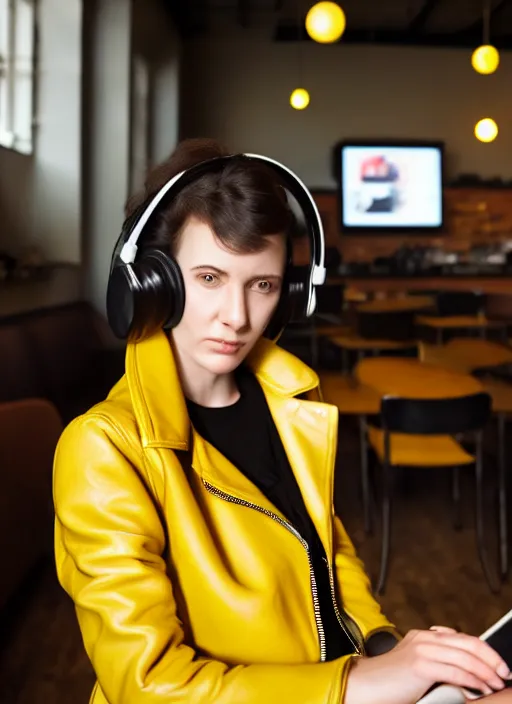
column 234, row 311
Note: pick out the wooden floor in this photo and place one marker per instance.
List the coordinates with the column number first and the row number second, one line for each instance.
column 435, row 578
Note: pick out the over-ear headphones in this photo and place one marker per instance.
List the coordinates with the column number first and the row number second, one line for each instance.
column 147, row 292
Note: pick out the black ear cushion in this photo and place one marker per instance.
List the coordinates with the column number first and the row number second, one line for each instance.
column 145, row 296
column 121, row 292
column 172, row 286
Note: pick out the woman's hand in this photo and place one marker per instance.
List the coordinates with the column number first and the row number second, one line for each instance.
column 422, row 659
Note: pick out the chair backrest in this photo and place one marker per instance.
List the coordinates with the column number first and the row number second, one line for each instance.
column 398, row 326
column 438, row 416
column 460, row 303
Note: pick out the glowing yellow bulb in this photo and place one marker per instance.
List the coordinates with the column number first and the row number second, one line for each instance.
column 485, row 59
column 299, row 99
column 486, row 130
column 325, row 22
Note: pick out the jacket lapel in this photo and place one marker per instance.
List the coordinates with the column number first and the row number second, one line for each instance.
column 155, row 390
column 308, row 431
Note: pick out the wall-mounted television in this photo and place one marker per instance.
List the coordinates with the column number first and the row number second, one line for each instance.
column 390, row 186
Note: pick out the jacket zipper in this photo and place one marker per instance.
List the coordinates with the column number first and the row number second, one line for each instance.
column 357, row 644
column 314, row 590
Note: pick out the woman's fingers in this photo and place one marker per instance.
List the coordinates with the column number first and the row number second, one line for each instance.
column 480, row 649
column 455, row 675
column 465, row 661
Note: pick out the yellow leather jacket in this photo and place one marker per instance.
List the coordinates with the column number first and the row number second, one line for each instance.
column 189, row 585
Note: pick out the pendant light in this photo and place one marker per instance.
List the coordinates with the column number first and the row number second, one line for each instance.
column 486, row 58
column 325, row 22
column 486, row 130
column 299, row 99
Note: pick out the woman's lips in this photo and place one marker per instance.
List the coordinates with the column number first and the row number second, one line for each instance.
column 225, row 346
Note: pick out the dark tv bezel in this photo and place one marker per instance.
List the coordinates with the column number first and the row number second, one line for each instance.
column 386, row 229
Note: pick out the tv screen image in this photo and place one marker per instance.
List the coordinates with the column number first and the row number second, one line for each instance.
column 395, row 187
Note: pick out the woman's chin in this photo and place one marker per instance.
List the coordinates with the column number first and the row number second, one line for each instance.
column 222, row 363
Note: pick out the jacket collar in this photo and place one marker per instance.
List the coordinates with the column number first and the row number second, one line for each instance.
column 158, row 400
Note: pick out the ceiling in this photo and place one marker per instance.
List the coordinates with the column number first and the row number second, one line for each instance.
column 408, row 22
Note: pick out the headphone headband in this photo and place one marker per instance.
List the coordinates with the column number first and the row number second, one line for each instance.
column 291, row 180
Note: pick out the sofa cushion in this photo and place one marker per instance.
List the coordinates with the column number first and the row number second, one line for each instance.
column 20, row 377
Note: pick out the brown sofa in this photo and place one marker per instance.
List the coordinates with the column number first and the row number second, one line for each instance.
column 66, row 355
column 54, row 364
column 29, row 430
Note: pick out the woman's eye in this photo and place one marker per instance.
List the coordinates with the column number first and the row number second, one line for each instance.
column 264, row 286
column 208, row 279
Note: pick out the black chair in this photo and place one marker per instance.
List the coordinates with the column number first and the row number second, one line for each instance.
column 453, row 303
column 431, row 417
column 326, row 320
column 399, row 325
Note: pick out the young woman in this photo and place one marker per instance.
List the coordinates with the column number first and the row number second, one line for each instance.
column 195, row 529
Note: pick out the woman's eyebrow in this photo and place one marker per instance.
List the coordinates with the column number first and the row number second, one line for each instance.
column 216, row 269
column 210, row 267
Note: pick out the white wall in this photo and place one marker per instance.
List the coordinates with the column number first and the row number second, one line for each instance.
column 236, row 88
column 57, row 224
column 166, row 103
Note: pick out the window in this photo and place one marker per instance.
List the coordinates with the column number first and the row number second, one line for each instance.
column 17, row 30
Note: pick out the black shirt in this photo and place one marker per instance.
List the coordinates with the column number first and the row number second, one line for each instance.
column 245, row 434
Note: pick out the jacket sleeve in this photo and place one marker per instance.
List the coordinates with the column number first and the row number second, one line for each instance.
column 355, row 588
column 109, row 543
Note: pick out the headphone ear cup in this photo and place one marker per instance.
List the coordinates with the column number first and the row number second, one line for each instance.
column 121, row 292
column 298, row 292
column 169, row 288
column 292, row 306
column 145, row 296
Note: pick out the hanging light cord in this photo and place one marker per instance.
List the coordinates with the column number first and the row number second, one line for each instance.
column 300, row 18
column 487, row 21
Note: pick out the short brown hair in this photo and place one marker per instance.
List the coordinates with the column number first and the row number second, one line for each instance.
column 243, row 203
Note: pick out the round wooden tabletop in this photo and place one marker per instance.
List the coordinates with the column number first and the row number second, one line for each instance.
column 412, row 378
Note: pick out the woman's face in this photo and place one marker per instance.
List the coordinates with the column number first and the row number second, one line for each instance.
column 229, row 298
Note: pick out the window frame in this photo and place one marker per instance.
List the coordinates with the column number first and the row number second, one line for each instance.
column 17, row 74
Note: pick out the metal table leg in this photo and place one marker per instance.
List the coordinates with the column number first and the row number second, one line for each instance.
column 502, row 489
column 365, row 479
